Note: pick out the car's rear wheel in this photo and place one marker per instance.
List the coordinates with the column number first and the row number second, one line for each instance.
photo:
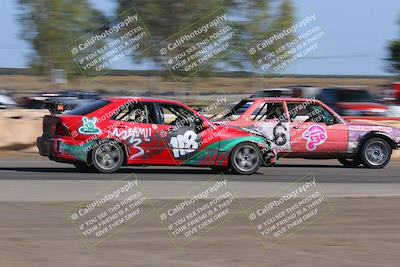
column 350, row 162
column 107, row 157
column 245, row 158
column 376, row 153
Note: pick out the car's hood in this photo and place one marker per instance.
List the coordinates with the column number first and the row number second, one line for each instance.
column 237, row 128
column 362, row 106
column 254, row 132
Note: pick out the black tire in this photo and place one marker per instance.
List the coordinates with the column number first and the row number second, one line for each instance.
column 376, row 153
column 83, row 166
column 245, row 158
column 350, row 162
column 107, row 157
column 218, row 169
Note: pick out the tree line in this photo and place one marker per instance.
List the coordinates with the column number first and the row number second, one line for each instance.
column 49, row 25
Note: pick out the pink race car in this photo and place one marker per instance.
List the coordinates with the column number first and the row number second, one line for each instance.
column 307, row 128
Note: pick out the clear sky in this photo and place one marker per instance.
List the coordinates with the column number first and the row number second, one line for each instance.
column 357, row 33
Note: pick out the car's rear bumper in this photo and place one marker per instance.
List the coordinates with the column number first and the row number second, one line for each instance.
column 47, row 146
column 51, row 147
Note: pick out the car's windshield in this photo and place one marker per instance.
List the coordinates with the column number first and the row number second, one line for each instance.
column 234, row 112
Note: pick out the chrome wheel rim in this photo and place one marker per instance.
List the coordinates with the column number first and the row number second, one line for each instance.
column 376, row 153
column 246, row 158
column 107, row 156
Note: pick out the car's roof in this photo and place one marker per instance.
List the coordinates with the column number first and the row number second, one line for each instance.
column 280, row 99
column 348, row 88
column 274, row 89
column 142, row 99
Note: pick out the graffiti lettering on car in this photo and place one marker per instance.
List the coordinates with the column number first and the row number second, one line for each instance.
column 134, row 138
column 315, row 135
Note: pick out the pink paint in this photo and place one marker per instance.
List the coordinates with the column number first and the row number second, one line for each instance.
column 315, row 135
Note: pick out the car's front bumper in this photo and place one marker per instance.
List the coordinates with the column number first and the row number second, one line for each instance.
column 397, row 146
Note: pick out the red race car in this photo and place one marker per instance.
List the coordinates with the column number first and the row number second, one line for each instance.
column 307, row 128
column 109, row 133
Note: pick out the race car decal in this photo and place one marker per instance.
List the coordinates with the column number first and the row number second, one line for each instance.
column 133, row 138
column 132, row 133
column 315, row 135
column 220, row 151
column 79, row 152
column 369, row 128
column 358, row 132
column 184, row 144
column 89, row 126
column 278, row 132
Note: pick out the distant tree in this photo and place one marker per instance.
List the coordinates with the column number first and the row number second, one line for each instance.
column 50, row 25
column 394, row 57
column 251, row 18
column 284, row 20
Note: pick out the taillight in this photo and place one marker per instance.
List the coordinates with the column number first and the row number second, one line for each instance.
column 61, row 130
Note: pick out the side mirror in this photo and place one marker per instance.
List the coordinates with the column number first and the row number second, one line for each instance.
column 201, row 125
column 330, row 121
column 198, row 121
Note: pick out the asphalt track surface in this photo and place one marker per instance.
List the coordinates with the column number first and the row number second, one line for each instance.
column 287, row 170
column 35, row 194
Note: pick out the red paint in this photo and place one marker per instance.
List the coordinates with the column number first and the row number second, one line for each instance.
column 144, row 143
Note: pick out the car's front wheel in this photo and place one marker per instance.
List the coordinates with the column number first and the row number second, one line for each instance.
column 245, row 158
column 107, row 157
column 376, row 153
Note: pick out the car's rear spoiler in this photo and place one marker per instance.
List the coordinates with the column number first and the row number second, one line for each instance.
column 55, row 107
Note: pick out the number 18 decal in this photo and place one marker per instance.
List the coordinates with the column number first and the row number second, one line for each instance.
column 184, row 144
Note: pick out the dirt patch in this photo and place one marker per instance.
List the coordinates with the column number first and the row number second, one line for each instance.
column 125, row 84
column 358, row 232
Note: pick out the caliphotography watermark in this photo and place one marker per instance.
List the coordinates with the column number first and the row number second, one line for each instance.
column 203, row 209
column 125, row 36
column 110, row 211
column 281, row 216
column 278, row 49
column 198, row 45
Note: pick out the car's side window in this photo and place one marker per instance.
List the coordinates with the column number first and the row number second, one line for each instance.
column 310, row 112
column 268, row 111
column 176, row 115
column 298, row 112
column 136, row 113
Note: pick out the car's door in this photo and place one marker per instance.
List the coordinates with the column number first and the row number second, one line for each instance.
column 314, row 129
column 187, row 138
column 269, row 118
column 132, row 125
